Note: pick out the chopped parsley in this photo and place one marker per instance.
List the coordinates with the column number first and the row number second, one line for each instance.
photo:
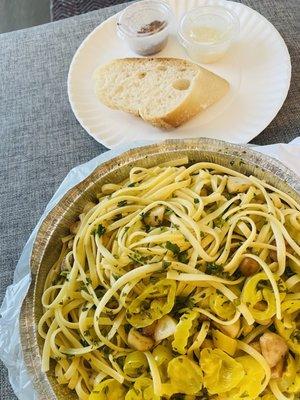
column 183, row 257
column 122, row 203
column 100, row 292
column 100, row 230
column 137, row 258
column 88, row 281
column 196, row 201
column 214, row 269
column 288, row 272
column 166, row 264
column 236, row 302
column 181, row 304
column 219, row 222
column 263, row 285
column 244, row 394
column 173, row 247
column 117, row 217
column 127, row 328
column 147, row 228
column 84, row 343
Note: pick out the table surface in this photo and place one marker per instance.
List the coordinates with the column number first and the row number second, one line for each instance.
column 41, row 139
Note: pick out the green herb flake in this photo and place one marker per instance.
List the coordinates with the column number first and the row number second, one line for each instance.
column 165, row 264
column 263, row 285
column 236, row 302
column 214, row 269
column 117, row 217
column 173, row 247
column 122, row 203
column 244, row 394
column 100, row 292
column 219, row 222
column 100, row 230
column 196, row 201
column 183, row 257
column 83, row 342
column 182, row 304
column 137, row 258
column 147, row 228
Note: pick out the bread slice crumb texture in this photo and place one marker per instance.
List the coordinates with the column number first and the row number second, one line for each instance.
column 163, row 91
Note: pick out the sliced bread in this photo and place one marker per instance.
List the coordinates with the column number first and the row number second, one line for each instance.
column 163, row 91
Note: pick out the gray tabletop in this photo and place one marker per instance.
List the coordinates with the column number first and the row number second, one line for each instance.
column 40, row 139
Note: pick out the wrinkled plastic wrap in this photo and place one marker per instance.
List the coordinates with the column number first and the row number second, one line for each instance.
column 10, row 347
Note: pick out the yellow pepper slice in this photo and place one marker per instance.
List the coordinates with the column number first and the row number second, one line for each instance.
column 185, row 377
column 224, row 342
column 109, row 389
column 221, row 306
column 256, row 290
column 162, row 355
column 156, row 301
column 290, row 381
column 142, row 390
column 250, row 386
column 221, row 372
column 135, row 364
column 185, row 328
column 287, row 327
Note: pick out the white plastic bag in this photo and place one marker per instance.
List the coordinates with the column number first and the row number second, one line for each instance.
column 10, row 347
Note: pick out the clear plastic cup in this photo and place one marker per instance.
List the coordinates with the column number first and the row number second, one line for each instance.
column 145, row 26
column 207, row 32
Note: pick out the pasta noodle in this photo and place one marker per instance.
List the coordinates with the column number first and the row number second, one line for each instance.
column 176, row 282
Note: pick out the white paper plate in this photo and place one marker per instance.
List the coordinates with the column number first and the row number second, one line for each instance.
column 257, row 66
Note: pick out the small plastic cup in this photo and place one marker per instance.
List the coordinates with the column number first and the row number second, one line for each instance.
column 145, row 26
column 207, row 32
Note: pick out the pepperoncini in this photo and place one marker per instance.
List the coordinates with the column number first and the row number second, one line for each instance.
column 156, row 301
column 287, row 327
column 109, row 389
column 221, row 306
column 268, row 396
column 185, row 377
column 257, row 293
column 224, row 342
column 162, row 356
column 135, row 364
column 221, row 372
column 185, row 328
column 142, row 390
column 290, row 381
column 250, row 386
column 203, row 298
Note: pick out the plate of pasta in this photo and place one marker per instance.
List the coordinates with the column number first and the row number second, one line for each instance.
column 171, row 272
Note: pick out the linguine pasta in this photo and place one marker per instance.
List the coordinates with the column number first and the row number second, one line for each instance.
column 182, row 282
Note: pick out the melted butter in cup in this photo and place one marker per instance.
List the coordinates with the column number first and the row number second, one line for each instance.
column 207, row 32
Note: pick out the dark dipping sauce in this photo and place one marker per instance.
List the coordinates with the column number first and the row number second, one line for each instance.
column 153, row 27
